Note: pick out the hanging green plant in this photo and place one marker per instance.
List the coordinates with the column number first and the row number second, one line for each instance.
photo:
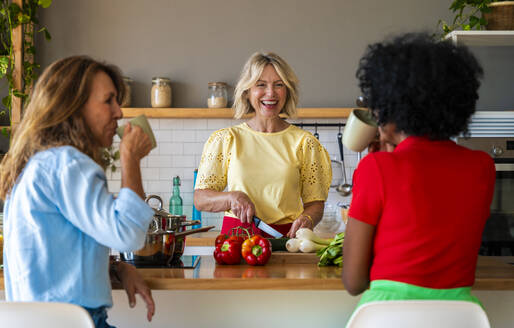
column 12, row 16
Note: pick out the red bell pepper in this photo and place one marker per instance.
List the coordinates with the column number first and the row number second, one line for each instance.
column 256, row 250
column 237, row 238
column 228, row 253
column 217, row 254
column 220, row 239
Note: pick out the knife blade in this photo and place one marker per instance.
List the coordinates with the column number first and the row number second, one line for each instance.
column 266, row 228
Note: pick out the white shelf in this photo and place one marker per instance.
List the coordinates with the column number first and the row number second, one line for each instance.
column 482, row 38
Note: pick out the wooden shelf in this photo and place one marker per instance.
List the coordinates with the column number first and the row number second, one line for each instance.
column 227, row 112
column 482, row 38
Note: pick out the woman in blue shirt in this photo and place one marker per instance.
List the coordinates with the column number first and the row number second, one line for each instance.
column 59, row 218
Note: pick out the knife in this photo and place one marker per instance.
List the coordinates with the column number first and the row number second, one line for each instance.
column 266, row 228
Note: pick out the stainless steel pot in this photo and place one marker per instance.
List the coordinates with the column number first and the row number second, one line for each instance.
column 165, row 238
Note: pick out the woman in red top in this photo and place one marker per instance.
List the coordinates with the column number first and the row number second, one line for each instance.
column 418, row 212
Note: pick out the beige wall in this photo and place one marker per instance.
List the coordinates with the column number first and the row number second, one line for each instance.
column 197, row 41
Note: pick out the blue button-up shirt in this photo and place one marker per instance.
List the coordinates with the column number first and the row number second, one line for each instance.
column 59, row 223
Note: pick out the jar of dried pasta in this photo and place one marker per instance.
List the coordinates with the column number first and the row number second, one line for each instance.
column 127, row 98
column 217, row 97
column 161, row 92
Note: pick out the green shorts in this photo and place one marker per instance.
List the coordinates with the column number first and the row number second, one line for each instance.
column 388, row 290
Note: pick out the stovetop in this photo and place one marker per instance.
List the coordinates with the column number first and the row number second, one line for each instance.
column 184, row 262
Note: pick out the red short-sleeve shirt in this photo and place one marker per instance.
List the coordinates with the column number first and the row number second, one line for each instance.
column 429, row 201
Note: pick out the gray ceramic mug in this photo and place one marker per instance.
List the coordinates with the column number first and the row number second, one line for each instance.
column 142, row 122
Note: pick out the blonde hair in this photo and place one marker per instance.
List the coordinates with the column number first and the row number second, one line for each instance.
column 53, row 117
column 252, row 72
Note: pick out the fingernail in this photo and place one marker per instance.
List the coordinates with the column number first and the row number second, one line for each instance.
column 132, row 304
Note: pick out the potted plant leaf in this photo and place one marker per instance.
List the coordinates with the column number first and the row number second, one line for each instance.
column 13, row 16
column 480, row 15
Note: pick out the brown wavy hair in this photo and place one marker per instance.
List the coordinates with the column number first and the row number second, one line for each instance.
column 53, row 117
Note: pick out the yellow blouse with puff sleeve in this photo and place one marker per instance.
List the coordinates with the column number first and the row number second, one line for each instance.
column 278, row 171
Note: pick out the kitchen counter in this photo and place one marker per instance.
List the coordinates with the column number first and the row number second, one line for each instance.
column 295, row 294
column 287, row 271
column 284, row 271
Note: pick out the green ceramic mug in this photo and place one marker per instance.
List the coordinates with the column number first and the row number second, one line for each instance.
column 142, row 122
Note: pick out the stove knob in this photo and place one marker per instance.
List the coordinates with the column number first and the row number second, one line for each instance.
column 497, row 151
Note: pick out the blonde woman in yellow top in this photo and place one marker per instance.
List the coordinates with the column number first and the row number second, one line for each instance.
column 264, row 167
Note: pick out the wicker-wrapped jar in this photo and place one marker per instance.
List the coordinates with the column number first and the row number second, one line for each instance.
column 501, row 16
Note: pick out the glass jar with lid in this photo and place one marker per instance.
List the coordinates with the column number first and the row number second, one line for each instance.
column 161, row 92
column 127, row 98
column 217, row 97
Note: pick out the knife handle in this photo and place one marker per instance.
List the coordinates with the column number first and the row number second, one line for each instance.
column 256, row 221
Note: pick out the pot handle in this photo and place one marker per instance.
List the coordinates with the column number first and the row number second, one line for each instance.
column 155, row 197
column 192, row 231
column 190, row 223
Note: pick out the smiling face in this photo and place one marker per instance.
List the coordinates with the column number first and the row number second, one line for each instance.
column 268, row 95
column 101, row 111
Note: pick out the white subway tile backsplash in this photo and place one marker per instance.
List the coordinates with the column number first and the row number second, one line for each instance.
column 197, row 160
column 149, row 173
column 332, row 148
column 193, row 148
column 167, row 173
column 154, row 151
column 187, row 198
column 187, row 173
column 350, row 160
column 163, row 136
column 182, row 161
column 194, row 124
column 203, row 135
column 328, row 137
column 158, row 186
column 171, row 148
column 183, row 135
column 187, row 184
column 159, row 161
column 144, row 161
column 216, row 124
column 170, row 124
column 154, row 123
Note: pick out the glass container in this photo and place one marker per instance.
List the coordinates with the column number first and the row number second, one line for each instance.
column 161, row 92
column 217, row 97
column 329, row 225
column 127, row 98
column 176, row 200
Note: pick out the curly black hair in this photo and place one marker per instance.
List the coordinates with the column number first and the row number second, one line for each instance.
column 426, row 87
